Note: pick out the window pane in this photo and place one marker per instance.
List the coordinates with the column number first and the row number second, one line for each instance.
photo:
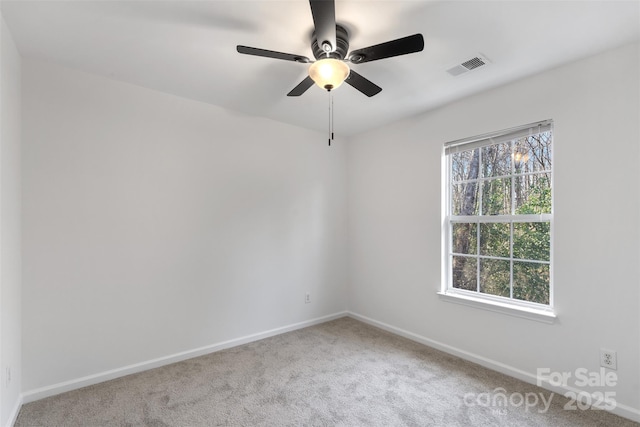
column 464, row 165
column 495, row 276
column 495, row 183
column 531, row 240
column 533, row 194
column 532, row 153
column 496, row 197
column 494, row 239
column 464, row 238
column 464, row 272
column 464, row 199
column 531, row 282
column 496, row 160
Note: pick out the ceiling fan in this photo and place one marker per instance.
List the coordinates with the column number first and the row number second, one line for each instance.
column 330, row 46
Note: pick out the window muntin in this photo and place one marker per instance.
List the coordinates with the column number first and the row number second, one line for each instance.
column 499, row 215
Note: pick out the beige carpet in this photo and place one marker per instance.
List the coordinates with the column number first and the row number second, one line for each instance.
column 340, row 373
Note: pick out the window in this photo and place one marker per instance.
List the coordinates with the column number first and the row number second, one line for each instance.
column 499, row 217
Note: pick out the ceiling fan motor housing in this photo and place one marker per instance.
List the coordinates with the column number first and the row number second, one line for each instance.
column 340, row 51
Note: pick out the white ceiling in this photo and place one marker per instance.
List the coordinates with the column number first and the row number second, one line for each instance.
column 188, row 48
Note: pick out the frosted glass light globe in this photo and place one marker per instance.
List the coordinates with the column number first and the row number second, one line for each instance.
column 329, row 73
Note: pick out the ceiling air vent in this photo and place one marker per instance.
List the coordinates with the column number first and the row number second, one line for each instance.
column 468, row 65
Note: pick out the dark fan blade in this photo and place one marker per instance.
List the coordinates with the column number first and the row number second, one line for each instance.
column 324, row 21
column 302, row 87
column 409, row 44
column 363, row 85
column 271, row 54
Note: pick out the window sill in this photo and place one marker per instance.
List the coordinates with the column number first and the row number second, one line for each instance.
column 545, row 316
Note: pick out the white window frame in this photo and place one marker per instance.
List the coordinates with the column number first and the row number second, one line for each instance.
column 506, row 305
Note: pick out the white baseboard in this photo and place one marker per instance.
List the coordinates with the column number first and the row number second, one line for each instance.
column 13, row 416
column 621, row 410
column 41, row 393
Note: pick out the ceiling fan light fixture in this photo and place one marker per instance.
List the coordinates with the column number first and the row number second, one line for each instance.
column 329, row 73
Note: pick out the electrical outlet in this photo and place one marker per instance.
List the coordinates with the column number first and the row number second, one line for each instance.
column 307, row 298
column 608, row 359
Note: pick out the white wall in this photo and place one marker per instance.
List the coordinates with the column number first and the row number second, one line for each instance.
column 155, row 225
column 10, row 252
column 394, row 176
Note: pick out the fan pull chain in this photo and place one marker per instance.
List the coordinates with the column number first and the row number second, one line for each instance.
column 332, row 122
column 330, row 118
column 329, row 139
